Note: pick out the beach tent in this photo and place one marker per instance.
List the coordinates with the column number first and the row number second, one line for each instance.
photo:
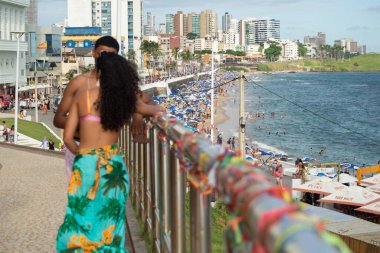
column 374, row 188
column 345, row 178
column 250, row 158
column 371, row 208
column 371, row 180
column 353, row 195
column 349, row 165
column 262, row 152
column 322, row 185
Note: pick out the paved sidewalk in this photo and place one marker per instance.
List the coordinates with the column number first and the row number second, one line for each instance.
column 33, row 199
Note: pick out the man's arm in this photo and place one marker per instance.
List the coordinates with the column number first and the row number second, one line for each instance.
column 60, row 116
column 71, row 127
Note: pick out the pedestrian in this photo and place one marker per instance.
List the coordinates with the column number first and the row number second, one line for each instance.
column 5, row 132
column 278, row 175
column 103, row 44
column 51, row 144
column 229, row 143
column 300, row 170
column 12, row 134
column 100, row 180
column 233, row 143
column 44, row 143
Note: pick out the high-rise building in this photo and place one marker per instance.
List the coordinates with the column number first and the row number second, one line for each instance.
column 150, row 24
column 194, row 23
column 226, row 22
column 234, row 26
column 249, row 33
column 169, row 23
column 317, row 41
column 32, row 13
column 209, row 23
column 104, row 14
column 180, row 28
column 162, row 28
column 349, row 45
column 266, row 29
column 12, row 19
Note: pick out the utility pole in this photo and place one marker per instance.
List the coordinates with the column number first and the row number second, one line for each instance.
column 242, row 118
column 35, row 92
column 212, row 93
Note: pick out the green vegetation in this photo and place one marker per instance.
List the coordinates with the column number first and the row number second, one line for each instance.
column 219, row 221
column 32, row 129
column 302, row 50
column 202, row 52
column 263, row 67
column 236, row 53
column 362, row 63
column 237, row 69
column 273, row 51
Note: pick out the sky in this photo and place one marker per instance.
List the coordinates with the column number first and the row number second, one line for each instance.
column 359, row 20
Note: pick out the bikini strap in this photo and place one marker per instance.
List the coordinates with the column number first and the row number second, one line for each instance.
column 88, row 96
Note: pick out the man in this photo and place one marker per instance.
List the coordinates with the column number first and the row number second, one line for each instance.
column 51, row 144
column 103, row 44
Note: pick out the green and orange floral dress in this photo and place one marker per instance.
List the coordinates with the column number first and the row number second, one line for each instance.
column 95, row 214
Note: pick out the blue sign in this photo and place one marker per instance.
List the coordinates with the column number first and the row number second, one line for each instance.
column 70, row 44
column 87, row 44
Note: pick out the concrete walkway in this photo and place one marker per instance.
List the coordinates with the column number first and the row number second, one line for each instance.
column 33, row 199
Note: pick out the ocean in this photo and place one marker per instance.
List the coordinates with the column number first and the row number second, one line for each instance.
column 331, row 117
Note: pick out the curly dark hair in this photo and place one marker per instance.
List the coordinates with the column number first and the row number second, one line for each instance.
column 118, row 90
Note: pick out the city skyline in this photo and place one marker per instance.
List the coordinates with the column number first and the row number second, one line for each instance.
column 299, row 18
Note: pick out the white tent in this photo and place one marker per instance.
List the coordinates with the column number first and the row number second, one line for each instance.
column 353, row 195
column 322, row 185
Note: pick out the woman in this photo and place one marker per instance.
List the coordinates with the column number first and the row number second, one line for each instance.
column 300, row 171
column 99, row 184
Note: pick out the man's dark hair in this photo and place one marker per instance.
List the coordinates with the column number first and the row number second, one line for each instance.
column 107, row 41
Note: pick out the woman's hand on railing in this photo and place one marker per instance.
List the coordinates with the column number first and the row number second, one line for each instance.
column 138, row 128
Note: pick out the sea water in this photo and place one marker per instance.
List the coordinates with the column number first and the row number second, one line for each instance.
column 331, row 117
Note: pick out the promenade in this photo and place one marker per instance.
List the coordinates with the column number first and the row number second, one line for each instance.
column 33, row 198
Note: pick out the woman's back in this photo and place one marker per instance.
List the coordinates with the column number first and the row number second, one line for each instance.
column 91, row 131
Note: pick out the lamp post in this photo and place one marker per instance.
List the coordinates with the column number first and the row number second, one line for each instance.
column 17, row 80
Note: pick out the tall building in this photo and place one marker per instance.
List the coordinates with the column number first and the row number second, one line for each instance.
column 226, row 22
column 194, row 23
column 180, row 28
column 266, row 29
column 349, row 45
column 32, row 13
column 318, row 40
column 104, row 14
column 209, row 24
column 162, row 28
column 150, row 24
column 169, row 23
column 234, row 26
column 247, row 32
column 12, row 19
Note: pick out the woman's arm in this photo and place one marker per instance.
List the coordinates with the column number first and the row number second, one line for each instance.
column 71, row 127
column 146, row 109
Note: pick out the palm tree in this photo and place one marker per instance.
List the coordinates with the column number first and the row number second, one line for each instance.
column 115, row 179
column 186, row 56
column 132, row 55
column 175, row 53
column 78, row 204
column 152, row 50
column 111, row 210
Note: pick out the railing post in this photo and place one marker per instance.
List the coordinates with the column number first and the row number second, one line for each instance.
column 141, row 176
column 200, row 232
column 135, row 175
column 147, row 188
column 154, row 173
column 178, row 224
column 165, row 179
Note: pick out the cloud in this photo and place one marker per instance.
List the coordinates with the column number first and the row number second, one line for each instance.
column 357, row 28
column 374, row 8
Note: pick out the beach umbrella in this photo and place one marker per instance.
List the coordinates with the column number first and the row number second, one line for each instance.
column 345, row 178
column 353, row 195
column 371, row 180
column 322, row 185
column 374, row 188
column 250, row 158
column 262, row 152
column 371, row 208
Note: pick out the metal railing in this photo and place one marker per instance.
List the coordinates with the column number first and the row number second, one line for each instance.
column 159, row 183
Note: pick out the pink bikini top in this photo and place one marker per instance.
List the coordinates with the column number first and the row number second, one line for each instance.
column 89, row 117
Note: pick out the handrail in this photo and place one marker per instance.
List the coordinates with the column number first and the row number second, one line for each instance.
column 158, row 187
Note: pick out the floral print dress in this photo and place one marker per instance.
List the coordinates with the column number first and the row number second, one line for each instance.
column 95, row 214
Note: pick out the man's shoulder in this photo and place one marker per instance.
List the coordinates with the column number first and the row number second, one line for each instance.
column 78, row 82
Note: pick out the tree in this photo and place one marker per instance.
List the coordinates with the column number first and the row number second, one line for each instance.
column 192, row 36
column 132, row 55
column 70, row 75
column 273, row 51
column 152, row 50
column 186, row 56
column 175, row 53
column 302, row 50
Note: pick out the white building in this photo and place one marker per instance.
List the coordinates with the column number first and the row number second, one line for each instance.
column 12, row 19
column 289, row 50
column 266, row 29
column 103, row 13
column 199, row 44
column 231, row 40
